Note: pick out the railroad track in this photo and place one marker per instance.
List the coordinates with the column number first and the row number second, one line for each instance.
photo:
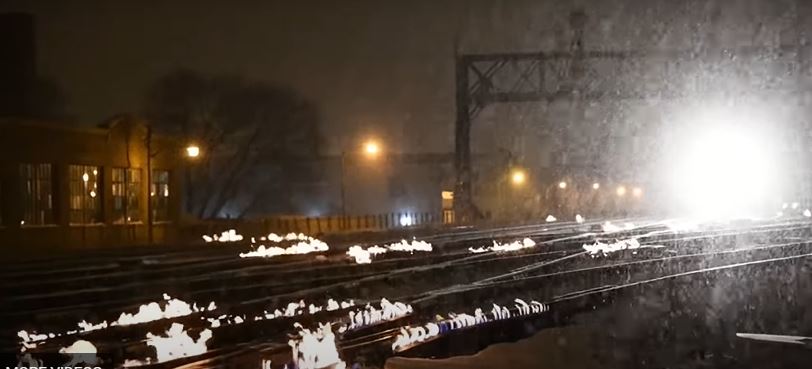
column 448, row 279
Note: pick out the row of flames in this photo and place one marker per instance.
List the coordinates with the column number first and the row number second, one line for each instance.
column 364, row 255
column 504, row 247
column 303, row 245
column 173, row 308
column 317, row 348
column 291, row 309
column 174, row 344
column 603, row 249
column 411, row 335
column 230, row 235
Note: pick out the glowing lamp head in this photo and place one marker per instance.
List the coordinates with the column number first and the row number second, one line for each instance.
column 192, row 151
column 562, row 185
column 371, row 148
column 596, row 186
column 518, row 177
column 637, row 192
column 621, row 191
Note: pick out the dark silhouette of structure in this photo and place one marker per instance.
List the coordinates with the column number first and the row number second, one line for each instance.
column 18, row 70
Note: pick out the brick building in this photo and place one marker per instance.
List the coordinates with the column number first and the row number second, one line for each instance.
column 66, row 187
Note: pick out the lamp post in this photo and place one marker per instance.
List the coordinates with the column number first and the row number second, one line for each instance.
column 371, row 149
column 192, row 151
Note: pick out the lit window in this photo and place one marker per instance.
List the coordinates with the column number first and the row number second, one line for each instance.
column 159, row 195
column 37, row 192
column 85, row 199
column 126, row 190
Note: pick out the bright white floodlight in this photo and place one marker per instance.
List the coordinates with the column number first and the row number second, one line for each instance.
column 726, row 172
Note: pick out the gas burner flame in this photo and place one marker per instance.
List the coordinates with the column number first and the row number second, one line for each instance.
column 411, row 335
column 370, row 315
column 608, row 227
column 174, row 308
column 305, row 245
column 504, row 247
column 230, row 235
column 177, row 343
column 364, row 256
column 316, row 349
column 290, row 310
column 605, row 249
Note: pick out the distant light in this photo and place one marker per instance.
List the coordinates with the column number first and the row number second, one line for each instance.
column 405, row 220
column 621, row 191
column 562, row 185
column 637, row 192
column 192, row 151
column 784, row 206
column 166, row 192
column 596, row 186
column 795, row 205
column 371, row 148
column 518, row 177
column 550, row 218
column 95, row 172
column 22, row 222
column 579, row 218
column 92, row 193
column 448, row 195
column 85, row 177
column 807, row 213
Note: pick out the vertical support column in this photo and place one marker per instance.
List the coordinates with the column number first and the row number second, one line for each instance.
column 463, row 205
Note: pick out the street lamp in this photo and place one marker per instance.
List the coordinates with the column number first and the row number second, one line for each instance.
column 518, row 177
column 371, row 149
column 192, row 151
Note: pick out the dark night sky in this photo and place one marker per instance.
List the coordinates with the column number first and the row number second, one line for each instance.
column 378, row 67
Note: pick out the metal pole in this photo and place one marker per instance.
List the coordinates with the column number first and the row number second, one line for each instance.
column 343, row 198
column 149, row 184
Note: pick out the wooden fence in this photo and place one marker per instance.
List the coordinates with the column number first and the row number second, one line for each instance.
column 320, row 225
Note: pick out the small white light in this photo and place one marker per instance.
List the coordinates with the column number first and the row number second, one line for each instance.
column 405, row 220
column 621, row 191
column 562, row 185
column 596, row 186
column 192, row 151
column 85, row 177
column 92, row 193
